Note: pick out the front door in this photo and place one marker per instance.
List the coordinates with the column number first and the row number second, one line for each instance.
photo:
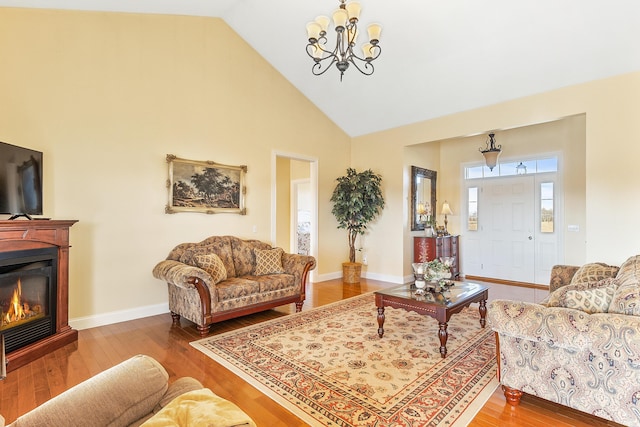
column 511, row 239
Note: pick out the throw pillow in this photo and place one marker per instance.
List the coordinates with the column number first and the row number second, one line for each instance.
column 593, row 272
column 268, row 261
column 558, row 298
column 212, row 264
column 595, row 300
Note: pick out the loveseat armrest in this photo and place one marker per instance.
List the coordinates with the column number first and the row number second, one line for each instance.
column 557, row 326
column 180, row 274
column 299, row 266
column 561, row 275
column 119, row 396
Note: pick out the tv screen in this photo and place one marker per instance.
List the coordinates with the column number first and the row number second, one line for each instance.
column 20, row 180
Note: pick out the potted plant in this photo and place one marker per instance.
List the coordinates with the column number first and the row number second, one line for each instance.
column 357, row 200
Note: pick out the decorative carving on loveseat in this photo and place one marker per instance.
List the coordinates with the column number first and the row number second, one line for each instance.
column 224, row 277
column 581, row 346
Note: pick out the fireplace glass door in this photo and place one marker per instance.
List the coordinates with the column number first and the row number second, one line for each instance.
column 27, row 296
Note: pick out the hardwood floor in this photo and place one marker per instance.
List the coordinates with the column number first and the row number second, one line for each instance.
column 100, row 348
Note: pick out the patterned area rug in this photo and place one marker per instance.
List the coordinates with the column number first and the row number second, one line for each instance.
column 329, row 367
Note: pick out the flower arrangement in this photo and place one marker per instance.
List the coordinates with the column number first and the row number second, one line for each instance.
column 438, row 269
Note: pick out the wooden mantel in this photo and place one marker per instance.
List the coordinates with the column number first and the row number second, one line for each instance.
column 33, row 234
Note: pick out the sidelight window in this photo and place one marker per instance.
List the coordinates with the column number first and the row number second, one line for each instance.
column 472, row 208
column 546, row 207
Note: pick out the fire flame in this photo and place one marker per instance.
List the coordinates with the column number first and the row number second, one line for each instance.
column 16, row 311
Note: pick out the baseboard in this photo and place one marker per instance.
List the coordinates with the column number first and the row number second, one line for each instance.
column 328, row 276
column 383, row 277
column 87, row 322
column 365, row 274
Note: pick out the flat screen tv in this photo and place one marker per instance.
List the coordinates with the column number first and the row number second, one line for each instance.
column 20, row 181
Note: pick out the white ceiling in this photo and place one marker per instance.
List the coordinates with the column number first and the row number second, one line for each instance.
column 438, row 57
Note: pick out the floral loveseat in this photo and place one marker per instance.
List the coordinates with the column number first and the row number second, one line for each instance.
column 580, row 347
column 224, row 277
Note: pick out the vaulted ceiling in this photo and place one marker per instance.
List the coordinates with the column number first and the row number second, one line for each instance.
column 438, row 57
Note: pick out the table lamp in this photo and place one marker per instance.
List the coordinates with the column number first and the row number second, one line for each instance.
column 446, row 210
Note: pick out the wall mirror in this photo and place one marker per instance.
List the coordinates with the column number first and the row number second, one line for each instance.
column 423, row 197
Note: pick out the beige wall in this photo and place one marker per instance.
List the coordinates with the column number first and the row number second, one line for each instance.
column 106, row 96
column 609, row 107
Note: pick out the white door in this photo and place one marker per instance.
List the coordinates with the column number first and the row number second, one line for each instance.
column 514, row 233
column 507, row 227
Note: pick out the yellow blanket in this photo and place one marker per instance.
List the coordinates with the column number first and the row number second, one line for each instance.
column 200, row 408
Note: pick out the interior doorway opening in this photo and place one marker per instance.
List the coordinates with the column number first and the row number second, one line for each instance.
column 294, row 196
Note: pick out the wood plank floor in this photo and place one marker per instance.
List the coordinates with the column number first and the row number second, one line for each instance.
column 100, row 348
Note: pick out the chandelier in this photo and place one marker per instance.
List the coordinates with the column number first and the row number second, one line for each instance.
column 492, row 152
column 345, row 20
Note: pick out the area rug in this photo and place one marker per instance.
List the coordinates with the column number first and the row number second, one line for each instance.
column 329, row 367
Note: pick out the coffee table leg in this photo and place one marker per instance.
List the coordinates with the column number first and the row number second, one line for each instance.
column 483, row 312
column 443, row 335
column 380, row 321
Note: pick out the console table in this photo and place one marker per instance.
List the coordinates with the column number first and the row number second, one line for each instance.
column 427, row 249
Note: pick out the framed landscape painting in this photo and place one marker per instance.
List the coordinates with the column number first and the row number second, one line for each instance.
column 205, row 186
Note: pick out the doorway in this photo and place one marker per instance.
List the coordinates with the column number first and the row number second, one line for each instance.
column 512, row 230
column 294, row 201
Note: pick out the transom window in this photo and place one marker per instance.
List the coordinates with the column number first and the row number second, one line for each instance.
column 512, row 168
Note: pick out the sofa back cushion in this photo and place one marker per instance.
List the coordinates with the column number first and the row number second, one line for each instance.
column 219, row 245
column 244, row 259
column 629, row 270
column 626, row 300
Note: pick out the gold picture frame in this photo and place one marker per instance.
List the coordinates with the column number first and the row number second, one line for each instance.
column 205, row 187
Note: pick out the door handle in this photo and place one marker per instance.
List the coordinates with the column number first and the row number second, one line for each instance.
column 530, row 237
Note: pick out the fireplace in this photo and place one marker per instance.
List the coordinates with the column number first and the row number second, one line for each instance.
column 34, row 288
column 28, row 286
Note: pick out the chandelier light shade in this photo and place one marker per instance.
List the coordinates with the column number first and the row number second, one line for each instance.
column 345, row 23
column 491, row 152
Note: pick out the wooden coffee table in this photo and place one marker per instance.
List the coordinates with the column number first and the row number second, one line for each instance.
column 439, row 305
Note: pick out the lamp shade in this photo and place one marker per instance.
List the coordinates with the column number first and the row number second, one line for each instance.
column 374, row 31
column 340, row 18
column 313, row 30
column 323, row 21
column 491, row 158
column 446, row 210
column 353, row 9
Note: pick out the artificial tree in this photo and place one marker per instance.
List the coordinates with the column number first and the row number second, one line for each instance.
column 357, row 200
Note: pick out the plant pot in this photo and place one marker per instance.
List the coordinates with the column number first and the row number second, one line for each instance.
column 351, row 272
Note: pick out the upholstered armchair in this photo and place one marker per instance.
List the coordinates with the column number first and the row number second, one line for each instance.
column 579, row 348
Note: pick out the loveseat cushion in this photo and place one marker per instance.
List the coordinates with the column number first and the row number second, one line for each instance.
column 244, row 257
column 219, row 245
column 212, row 264
column 268, row 261
column 236, row 287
